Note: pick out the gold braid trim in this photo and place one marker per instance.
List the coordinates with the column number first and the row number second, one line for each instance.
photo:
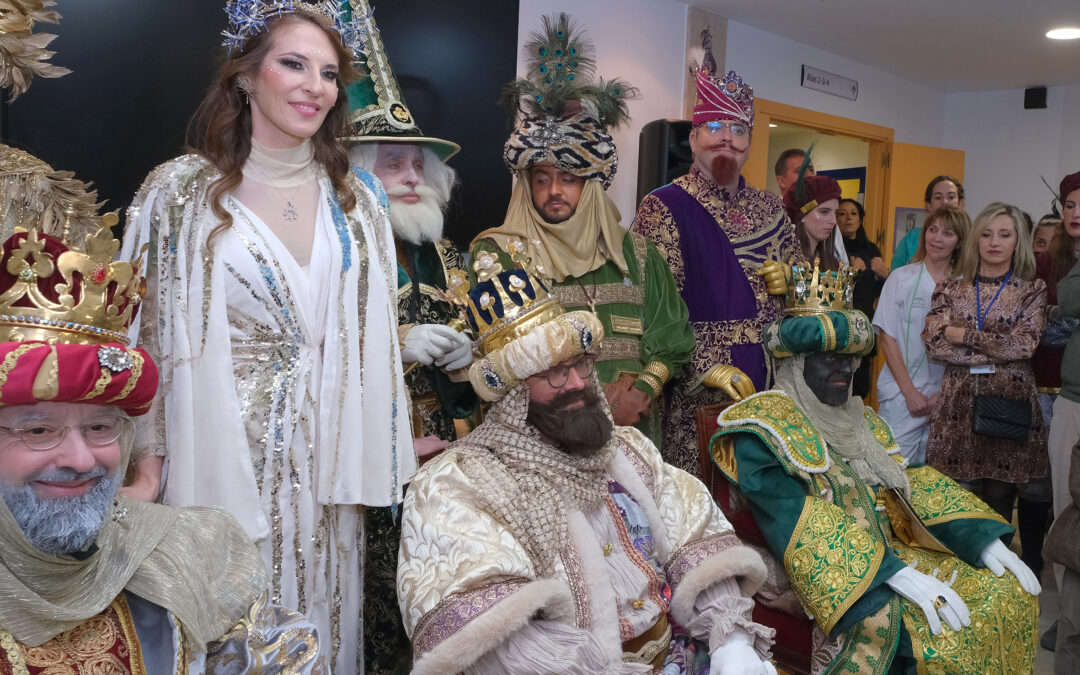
column 828, row 333
column 774, row 418
column 133, row 381
column 830, row 560
column 658, row 369
column 99, row 386
column 936, row 498
column 651, row 381
column 12, row 359
column 14, row 653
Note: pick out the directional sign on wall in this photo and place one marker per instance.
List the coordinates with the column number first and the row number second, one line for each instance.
column 830, row 83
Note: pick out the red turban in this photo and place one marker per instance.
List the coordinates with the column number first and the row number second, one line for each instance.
column 723, row 99
column 109, row 374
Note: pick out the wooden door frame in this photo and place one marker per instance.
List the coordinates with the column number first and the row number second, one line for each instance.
column 879, row 138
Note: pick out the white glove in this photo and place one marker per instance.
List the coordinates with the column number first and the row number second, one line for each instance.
column 737, row 657
column 998, row 558
column 926, row 592
column 426, row 342
column 460, row 356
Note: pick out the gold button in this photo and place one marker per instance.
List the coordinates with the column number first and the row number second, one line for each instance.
column 638, row 604
column 607, row 549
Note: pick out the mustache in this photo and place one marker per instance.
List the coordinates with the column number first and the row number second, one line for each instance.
column 70, row 475
column 422, row 190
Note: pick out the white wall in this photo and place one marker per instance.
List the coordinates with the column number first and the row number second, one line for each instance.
column 641, row 41
column 772, row 65
column 1007, row 148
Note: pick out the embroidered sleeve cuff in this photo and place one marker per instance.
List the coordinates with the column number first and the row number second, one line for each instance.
column 465, row 626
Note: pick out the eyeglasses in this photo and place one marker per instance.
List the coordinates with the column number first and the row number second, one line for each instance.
column 46, row 435
column 736, row 129
column 558, row 375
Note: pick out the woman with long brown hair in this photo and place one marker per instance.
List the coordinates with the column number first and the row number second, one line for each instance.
column 271, row 313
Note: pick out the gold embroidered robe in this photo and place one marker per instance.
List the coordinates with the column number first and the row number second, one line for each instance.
column 840, row 540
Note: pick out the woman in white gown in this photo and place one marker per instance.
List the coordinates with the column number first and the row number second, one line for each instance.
column 908, row 384
column 271, row 290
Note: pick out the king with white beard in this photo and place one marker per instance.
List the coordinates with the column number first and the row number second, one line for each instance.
column 385, row 140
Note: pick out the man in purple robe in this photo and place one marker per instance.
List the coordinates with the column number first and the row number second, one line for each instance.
column 718, row 233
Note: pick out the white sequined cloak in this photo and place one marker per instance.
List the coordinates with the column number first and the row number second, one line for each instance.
column 283, row 397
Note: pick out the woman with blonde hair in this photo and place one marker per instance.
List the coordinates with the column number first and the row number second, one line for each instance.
column 271, row 285
column 908, row 384
column 987, row 430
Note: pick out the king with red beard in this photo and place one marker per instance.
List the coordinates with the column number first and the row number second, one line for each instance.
column 718, row 234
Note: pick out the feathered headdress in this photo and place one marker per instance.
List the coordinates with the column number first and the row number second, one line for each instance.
column 22, row 53
column 809, row 191
column 558, row 81
column 565, row 114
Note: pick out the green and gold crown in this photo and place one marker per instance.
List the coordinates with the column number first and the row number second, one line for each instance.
column 815, row 291
column 504, row 305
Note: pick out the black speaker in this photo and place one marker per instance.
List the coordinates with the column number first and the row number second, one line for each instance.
column 1035, row 98
column 663, row 154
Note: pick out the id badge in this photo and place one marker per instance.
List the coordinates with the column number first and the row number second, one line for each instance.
column 987, row 369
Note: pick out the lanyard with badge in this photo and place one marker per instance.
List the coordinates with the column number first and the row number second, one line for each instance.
column 907, row 328
column 980, row 319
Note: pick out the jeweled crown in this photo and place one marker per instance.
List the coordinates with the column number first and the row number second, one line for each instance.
column 52, row 292
column 248, row 18
column 815, row 291
column 504, row 304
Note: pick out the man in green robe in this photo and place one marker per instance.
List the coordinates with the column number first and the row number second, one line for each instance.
column 563, row 160
column 901, row 569
column 385, row 139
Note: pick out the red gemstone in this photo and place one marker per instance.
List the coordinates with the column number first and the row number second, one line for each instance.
column 98, row 275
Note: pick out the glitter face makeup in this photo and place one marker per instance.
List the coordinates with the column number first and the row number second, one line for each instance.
column 296, row 85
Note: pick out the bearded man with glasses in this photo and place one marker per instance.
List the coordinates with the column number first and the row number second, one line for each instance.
column 552, row 540
column 723, row 240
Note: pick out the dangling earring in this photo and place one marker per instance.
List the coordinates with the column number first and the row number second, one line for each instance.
column 245, row 91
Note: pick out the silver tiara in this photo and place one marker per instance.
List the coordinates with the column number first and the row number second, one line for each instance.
column 248, row 18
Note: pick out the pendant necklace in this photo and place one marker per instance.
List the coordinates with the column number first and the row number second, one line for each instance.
column 289, row 212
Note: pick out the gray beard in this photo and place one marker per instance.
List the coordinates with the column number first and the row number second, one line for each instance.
column 67, row 524
column 416, row 223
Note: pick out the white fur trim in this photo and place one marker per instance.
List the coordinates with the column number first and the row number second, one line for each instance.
column 627, row 476
column 493, row 627
column 604, row 612
column 741, row 562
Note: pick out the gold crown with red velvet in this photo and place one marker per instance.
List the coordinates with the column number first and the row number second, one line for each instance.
column 53, row 292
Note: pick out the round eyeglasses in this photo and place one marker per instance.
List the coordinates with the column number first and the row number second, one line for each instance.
column 558, row 375
column 736, row 129
column 46, row 435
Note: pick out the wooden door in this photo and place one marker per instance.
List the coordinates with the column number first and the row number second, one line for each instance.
column 908, row 168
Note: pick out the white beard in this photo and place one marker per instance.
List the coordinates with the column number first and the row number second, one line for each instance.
column 416, row 223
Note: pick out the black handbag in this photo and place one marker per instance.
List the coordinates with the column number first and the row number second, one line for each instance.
column 999, row 417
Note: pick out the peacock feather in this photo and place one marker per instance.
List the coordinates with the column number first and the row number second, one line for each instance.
column 1053, row 198
column 560, row 65
column 801, row 196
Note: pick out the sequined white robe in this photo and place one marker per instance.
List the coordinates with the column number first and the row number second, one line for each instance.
column 283, row 397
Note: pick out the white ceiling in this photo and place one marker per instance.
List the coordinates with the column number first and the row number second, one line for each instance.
column 951, row 45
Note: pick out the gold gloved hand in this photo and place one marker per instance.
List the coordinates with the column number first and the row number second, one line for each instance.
column 775, row 274
column 733, row 381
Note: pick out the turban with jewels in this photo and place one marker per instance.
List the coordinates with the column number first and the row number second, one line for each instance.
column 108, row 374
column 842, row 331
column 64, row 316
